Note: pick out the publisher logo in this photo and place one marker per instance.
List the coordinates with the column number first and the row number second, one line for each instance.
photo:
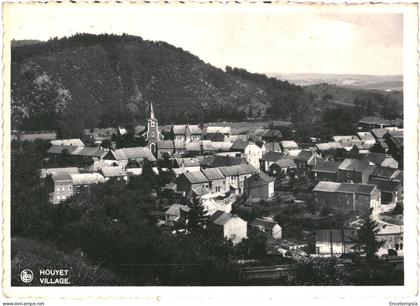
column 26, row 276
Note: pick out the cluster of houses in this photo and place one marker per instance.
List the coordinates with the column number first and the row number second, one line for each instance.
column 216, row 164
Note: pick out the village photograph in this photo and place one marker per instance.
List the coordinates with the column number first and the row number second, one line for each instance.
column 163, row 148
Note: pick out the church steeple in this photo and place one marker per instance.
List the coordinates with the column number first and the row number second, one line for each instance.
column 152, row 134
column 151, row 112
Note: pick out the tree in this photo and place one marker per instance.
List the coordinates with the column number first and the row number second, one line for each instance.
column 366, row 243
column 196, row 216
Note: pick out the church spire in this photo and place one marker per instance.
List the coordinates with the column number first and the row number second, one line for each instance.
column 151, row 112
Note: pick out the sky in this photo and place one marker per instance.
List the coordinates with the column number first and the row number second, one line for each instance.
column 259, row 40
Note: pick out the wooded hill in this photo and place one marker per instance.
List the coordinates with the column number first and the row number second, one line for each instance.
column 89, row 80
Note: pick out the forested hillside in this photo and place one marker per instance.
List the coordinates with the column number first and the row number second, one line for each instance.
column 89, row 80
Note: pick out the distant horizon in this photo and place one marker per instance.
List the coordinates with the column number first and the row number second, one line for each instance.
column 269, row 73
column 261, row 40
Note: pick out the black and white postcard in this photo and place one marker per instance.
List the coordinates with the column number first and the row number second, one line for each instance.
column 168, row 150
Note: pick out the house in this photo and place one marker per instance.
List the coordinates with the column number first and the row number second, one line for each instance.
column 385, row 173
column 214, row 161
column 228, row 226
column 381, row 159
column 251, row 151
column 212, row 130
column 165, row 147
column 236, row 175
column 289, row 147
column 259, row 185
column 77, row 153
column 187, row 132
column 354, row 171
column 366, row 137
column 303, row 160
column 138, row 154
column 68, row 142
column 328, row 150
column 334, row 242
column 117, row 173
column 395, row 142
column 391, row 191
column 218, row 182
column 189, row 164
column 69, row 184
column 324, row 171
column 62, row 187
column 282, row 166
column 347, row 196
column 269, row 158
column 268, row 226
column 347, row 141
column 393, row 237
column 207, row 146
column 175, row 212
column 186, row 181
column 83, row 181
column 212, row 202
column 216, row 137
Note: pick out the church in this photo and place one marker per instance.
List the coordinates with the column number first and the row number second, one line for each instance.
column 152, row 134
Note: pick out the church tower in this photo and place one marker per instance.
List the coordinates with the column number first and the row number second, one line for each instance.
column 152, row 134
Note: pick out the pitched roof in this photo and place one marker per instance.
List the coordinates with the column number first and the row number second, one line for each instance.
column 240, row 145
column 379, row 133
column 237, row 170
column 113, row 171
column 328, row 146
column 88, row 151
column 354, row 165
column 267, row 223
column 326, row 166
column 383, row 185
column 133, row 153
column 220, row 218
column 87, row 178
column 285, row 163
column 385, row 172
column 61, row 177
column 259, row 179
column 288, row 144
column 68, row 142
column 166, row 144
column 304, row 155
column 272, row 156
column 376, row 158
column 175, row 209
column 356, row 188
column 213, row 174
column 220, row 129
column 58, row 149
column 327, row 186
column 187, row 162
column 221, row 161
column 366, row 136
column 57, row 171
column 195, row 177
